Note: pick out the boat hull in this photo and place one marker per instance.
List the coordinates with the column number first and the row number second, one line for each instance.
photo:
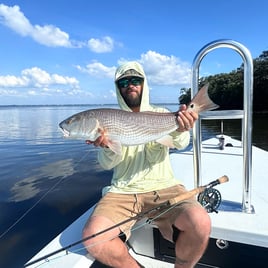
column 238, row 239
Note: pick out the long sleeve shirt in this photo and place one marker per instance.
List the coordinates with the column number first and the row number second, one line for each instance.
column 142, row 168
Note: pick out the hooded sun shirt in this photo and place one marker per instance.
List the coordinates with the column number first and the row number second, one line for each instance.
column 140, row 168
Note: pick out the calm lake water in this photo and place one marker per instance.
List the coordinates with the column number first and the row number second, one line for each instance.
column 46, row 182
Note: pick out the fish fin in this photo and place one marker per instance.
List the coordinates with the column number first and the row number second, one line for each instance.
column 115, row 146
column 167, row 141
column 201, row 101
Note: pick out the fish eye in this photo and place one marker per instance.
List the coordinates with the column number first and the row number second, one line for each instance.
column 69, row 121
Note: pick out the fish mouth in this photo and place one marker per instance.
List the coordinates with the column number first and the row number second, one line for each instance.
column 65, row 132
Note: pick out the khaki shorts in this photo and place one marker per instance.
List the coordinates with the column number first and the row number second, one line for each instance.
column 120, row 207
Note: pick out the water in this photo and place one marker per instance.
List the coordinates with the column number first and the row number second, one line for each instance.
column 46, row 182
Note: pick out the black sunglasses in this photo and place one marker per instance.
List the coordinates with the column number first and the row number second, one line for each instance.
column 125, row 82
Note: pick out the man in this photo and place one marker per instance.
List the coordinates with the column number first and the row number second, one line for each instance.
column 142, row 179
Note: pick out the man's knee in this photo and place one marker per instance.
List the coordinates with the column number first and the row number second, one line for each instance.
column 194, row 219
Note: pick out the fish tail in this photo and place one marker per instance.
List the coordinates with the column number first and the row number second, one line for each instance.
column 201, row 101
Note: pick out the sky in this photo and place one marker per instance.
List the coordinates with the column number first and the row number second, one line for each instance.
column 66, row 52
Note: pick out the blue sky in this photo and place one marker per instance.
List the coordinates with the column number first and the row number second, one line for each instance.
column 66, row 52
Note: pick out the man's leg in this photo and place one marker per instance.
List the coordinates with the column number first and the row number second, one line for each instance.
column 194, row 226
column 107, row 248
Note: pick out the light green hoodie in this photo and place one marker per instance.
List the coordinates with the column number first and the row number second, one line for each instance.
column 146, row 167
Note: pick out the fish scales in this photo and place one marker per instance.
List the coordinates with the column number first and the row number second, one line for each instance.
column 130, row 128
column 135, row 128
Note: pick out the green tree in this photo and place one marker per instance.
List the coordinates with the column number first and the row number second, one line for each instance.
column 226, row 89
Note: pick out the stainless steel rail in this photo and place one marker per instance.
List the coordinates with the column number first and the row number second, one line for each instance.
column 245, row 115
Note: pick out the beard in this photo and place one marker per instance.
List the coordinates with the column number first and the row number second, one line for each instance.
column 132, row 101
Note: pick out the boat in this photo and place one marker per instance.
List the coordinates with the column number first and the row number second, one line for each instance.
column 239, row 236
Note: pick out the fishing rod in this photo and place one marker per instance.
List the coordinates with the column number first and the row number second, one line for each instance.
column 171, row 202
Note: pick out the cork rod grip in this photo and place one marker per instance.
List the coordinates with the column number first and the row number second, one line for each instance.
column 197, row 190
column 223, row 179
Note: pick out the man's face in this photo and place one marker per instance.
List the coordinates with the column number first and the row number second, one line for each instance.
column 131, row 90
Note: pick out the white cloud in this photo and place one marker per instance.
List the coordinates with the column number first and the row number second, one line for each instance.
column 58, row 79
column 32, row 93
column 35, row 82
column 8, row 92
column 113, row 93
column 47, row 35
column 106, row 44
column 13, row 18
column 98, row 69
column 165, row 70
column 37, row 86
column 161, row 70
column 36, row 77
column 50, row 35
column 13, row 81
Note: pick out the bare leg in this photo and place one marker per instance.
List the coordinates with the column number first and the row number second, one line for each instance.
column 194, row 224
column 107, row 248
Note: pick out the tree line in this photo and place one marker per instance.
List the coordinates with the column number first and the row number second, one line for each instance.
column 226, row 89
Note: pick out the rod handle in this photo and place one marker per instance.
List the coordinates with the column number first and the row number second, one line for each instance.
column 197, row 190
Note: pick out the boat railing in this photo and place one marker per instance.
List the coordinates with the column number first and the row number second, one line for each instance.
column 245, row 115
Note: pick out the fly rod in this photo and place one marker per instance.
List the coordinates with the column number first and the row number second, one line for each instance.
column 170, row 202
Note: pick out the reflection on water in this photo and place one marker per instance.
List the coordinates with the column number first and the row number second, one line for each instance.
column 33, row 124
column 31, row 186
column 38, row 165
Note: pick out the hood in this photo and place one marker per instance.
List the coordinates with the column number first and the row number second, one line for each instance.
column 132, row 65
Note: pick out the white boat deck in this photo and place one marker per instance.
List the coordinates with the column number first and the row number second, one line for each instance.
column 247, row 228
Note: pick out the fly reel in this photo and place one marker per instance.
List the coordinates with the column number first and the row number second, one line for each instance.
column 210, row 199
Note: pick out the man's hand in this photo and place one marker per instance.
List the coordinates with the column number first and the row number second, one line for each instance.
column 186, row 119
column 101, row 141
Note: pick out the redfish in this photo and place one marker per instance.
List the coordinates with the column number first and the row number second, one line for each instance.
column 130, row 128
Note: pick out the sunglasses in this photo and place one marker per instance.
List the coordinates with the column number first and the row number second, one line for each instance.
column 125, row 82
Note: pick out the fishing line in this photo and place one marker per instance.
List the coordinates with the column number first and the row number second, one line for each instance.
column 48, row 260
column 163, row 208
column 39, row 200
